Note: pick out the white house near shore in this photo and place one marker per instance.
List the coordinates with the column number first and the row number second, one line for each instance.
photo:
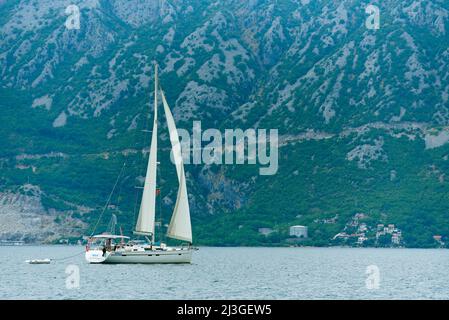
column 298, row 231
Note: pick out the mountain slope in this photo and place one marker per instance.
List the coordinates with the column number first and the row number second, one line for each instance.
column 362, row 114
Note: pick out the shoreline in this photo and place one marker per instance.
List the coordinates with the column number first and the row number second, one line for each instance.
column 234, row 247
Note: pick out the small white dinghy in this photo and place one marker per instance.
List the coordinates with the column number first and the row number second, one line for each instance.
column 39, row 261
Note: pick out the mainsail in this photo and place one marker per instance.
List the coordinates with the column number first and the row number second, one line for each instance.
column 180, row 226
column 145, row 221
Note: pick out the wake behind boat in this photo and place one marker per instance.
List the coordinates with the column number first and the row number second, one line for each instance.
column 110, row 248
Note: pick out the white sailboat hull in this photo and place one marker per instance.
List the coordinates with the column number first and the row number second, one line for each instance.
column 140, row 257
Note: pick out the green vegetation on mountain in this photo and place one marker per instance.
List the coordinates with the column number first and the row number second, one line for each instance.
column 363, row 115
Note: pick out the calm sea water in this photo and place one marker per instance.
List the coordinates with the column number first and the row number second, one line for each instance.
column 231, row 273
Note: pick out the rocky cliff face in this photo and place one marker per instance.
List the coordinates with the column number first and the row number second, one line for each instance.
column 351, row 104
column 24, row 218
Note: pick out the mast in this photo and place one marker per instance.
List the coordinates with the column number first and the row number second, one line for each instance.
column 146, row 219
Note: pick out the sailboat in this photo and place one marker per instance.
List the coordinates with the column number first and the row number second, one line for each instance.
column 111, row 248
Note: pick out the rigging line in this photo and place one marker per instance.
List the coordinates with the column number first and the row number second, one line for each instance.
column 135, row 205
column 109, row 199
column 145, row 117
column 159, row 200
column 162, row 234
column 65, row 258
column 120, row 189
column 140, row 162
